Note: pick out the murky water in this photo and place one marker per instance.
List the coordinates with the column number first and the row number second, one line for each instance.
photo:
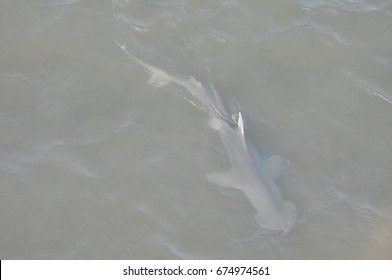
column 97, row 163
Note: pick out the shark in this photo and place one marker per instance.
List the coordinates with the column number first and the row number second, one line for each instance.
column 205, row 100
column 254, row 176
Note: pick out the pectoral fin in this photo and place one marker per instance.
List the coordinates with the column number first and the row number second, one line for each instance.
column 273, row 167
column 224, row 179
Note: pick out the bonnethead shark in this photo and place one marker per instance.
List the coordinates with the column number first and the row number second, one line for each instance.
column 249, row 173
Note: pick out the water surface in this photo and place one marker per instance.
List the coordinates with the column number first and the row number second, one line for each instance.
column 96, row 163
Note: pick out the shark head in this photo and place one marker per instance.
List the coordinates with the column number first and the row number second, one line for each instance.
column 282, row 223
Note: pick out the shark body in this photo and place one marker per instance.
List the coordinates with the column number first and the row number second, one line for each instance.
column 255, row 177
column 250, row 174
column 206, row 102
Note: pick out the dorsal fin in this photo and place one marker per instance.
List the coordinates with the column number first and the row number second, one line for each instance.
column 240, row 123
